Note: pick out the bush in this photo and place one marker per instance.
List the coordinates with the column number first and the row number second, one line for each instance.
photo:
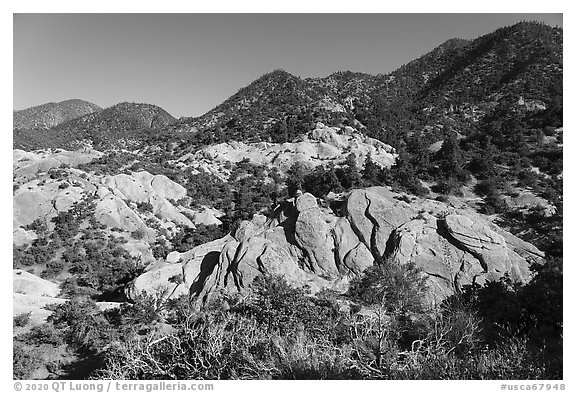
column 83, row 324
column 188, row 238
column 24, row 360
column 38, row 226
column 145, row 207
column 43, row 334
column 448, row 187
column 240, row 343
column 53, row 268
column 139, row 234
column 397, row 288
column 509, row 360
column 284, row 309
column 280, row 332
column 22, row 319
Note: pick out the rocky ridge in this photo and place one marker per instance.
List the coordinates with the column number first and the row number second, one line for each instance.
column 311, row 242
column 320, row 146
column 46, row 184
column 310, row 245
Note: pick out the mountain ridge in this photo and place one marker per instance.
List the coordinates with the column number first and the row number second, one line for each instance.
column 112, row 126
column 48, row 115
column 407, row 225
column 455, row 84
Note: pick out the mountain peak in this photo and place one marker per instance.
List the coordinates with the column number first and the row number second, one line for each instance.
column 52, row 114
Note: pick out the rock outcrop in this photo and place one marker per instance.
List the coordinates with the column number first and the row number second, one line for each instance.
column 28, row 284
column 27, row 164
column 323, row 144
column 141, row 187
column 32, row 294
column 310, row 245
column 303, row 240
column 46, row 185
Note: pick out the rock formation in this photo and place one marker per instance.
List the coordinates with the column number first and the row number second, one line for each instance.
column 311, row 245
column 318, row 147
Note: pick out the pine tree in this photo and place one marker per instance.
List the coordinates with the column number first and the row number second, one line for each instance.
column 349, row 175
column 450, row 159
column 420, row 155
column 371, row 172
column 295, row 178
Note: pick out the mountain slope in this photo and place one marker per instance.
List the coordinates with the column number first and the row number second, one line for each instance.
column 118, row 125
column 51, row 114
column 454, row 85
column 459, row 82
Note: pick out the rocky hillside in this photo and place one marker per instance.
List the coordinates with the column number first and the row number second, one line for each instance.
column 323, row 145
column 318, row 242
column 51, row 114
column 309, row 245
column 279, row 97
column 124, row 124
column 458, row 83
column 30, row 128
column 385, row 226
column 454, row 85
column 110, row 243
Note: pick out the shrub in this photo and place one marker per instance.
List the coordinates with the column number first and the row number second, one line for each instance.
column 397, row 288
column 284, row 309
column 53, row 268
column 83, row 324
column 188, row 238
column 22, row 319
column 509, row 360
column 24, row 360
column 43, row 334
column 448, row 186
column 145, row 207
column 216, row 344
column 38, row 226
column 139, row 234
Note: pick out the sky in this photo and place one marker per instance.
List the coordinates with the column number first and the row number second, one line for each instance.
column 189, row 63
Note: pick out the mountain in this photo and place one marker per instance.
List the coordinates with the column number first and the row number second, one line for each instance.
column 459, row 82
column 455, row 85
column 119, row 125
column 281, row 100
column 51, row 114
column 406, row 225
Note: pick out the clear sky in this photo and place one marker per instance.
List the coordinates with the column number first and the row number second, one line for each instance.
column 189, row 63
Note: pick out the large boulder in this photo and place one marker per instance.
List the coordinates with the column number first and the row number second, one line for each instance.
column 489, row 247
column 314, row 236
column 174, row 277
column 21, row 236
column 32, row 201
column 157, row 190
column 163, row 281
column 352, row 255
column 32, row 295
column 448, row 267
column 207, row 217
column 29, row 284
column 373, row 217
column 114, row 213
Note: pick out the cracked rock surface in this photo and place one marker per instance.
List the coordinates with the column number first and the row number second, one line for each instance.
column 311, row 246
